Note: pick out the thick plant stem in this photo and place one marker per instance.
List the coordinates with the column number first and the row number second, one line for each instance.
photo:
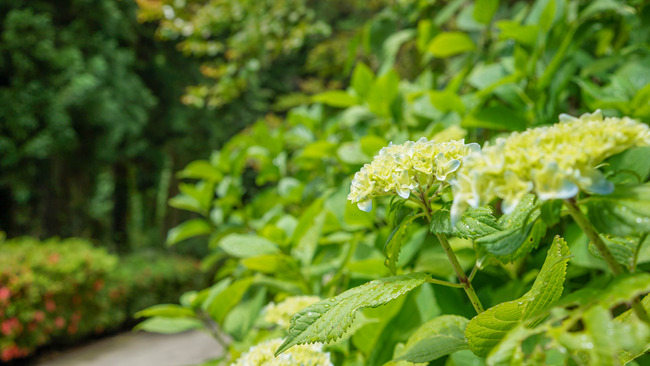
column 593, row 235
column 595, row 238
column 467, row 285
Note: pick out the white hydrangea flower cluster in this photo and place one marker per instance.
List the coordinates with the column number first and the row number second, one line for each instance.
column 554, row 162
column 402, row 169
column 301, row 355
column 280, row 314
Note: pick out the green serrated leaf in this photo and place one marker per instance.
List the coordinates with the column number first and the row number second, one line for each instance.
column 623, row 249
column 475, row 223
column 486, row 330
column 395, row 241
column 521, row 232
column 328, row 320
column 436, row 338
column 626, row 211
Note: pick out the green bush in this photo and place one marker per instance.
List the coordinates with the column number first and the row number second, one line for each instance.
column 60, row 290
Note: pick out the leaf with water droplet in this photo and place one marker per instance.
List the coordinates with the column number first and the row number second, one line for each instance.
column 626, row 211
column 487, row 329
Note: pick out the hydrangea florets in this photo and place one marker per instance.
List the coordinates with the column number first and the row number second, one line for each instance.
column 301, row 355
column 402, row 169
column 554, row 162
column 281, row 313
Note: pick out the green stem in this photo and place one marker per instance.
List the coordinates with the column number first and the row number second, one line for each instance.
column 467, row 285
column 444, row 283
column 593, row 235
column 595, row 238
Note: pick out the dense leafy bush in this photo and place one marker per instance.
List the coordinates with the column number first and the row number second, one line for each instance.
column 85, row 79
column 272, row 202
column 62, row 290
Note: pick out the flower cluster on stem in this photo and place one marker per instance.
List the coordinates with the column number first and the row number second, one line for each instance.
column 554, row 162
column 404, row 169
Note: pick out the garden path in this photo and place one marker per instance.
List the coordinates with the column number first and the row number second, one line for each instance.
column 140, row 349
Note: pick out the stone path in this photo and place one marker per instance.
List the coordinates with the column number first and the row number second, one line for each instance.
column 140, row 349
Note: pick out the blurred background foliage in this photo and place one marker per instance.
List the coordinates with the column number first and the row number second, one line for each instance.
column 102, row 102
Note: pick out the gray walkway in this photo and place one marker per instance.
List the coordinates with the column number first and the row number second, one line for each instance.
column 140, row 349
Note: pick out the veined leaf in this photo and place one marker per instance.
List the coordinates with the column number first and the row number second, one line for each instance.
column 395, row 241
column 623, row 249
column 486, row 330
column 436, row 338
column 581, row 327
column 520, row 232
column 475, row 223
column 328, row 319
column 626, row 211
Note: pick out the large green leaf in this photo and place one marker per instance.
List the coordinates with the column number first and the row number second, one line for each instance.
column 487, row 329
column 328, row 320
column 520, row 232
column 395, row 241
column 436, row 338
column 188, row 229
column 626, row 211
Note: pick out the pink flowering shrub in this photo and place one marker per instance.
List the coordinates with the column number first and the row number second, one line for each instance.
column 58, row 291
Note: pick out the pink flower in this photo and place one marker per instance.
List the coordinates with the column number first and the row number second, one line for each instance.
column 50, row 305
column 39, row 316
column 59, row 322
column 5, row 293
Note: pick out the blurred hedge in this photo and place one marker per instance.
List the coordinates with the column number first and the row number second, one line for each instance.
column 60, row 290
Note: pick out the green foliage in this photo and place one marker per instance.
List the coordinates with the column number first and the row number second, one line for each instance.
column 486, row 330
column 58, row 291
column 274, row 196
column 438, row 337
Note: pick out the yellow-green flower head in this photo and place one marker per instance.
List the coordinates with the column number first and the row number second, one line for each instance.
column 280, row 314
column 301, row 355
column 402, row 169
column 554, row 162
